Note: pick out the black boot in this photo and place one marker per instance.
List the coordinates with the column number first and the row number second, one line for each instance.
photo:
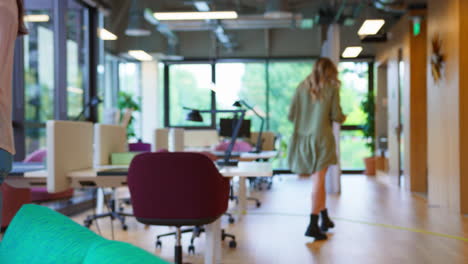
column 326, row 223
column 313, row 230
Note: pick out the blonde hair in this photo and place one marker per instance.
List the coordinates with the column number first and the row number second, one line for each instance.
column 324, row 74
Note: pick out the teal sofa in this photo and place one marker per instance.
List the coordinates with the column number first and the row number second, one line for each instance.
column 40, row 235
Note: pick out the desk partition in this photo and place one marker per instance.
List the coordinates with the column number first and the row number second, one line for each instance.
column 69, row 148
column 108, row 139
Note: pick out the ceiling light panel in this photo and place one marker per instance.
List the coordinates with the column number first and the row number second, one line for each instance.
column 36, row 18
column 140, row 55
column 105, row 34
column 352, row 52
column 195, row 15
column 371, row 27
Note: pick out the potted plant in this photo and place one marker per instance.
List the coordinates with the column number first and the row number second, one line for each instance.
column 368, row 106
column 127, row 101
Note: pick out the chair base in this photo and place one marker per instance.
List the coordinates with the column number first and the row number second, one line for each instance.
column 196, row 232
column 113, row 215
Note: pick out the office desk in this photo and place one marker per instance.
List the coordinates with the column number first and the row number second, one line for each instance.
column 116, row 176
column 241, row 156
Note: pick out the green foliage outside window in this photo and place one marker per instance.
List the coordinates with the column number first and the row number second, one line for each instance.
column 368, row 106
column 128, row 101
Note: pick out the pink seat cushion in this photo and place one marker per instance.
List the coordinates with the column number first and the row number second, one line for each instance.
column 40, row 194
column 37, row 156
column 239, row 146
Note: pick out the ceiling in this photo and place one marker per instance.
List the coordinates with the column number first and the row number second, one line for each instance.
column 295, row 19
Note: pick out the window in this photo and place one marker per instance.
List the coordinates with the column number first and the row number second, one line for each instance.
column 130, row 87
column 38, row 80
column 283, row 78
column 354, row 78
column 160, row 99
column 190, row 86
column 241, row 81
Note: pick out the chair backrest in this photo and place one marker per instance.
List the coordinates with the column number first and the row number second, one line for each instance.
column 37, row 156
column 176, row 188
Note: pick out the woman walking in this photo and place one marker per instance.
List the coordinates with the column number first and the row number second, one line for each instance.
column 11, row 25
column 315, row 105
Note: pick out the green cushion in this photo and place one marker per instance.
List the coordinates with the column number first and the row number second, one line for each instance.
column 123, row 158
column 119, row 253
column 40, row 235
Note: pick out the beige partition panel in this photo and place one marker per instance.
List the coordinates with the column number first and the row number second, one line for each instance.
column 268, row 140
column 201, row 138
column 69, row 148
column 176, row 139
column 161, row 139
column 108, row 139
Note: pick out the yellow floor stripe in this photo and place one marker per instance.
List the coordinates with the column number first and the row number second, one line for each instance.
column 414, row 230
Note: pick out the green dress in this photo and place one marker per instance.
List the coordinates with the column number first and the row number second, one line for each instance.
column 312, row 147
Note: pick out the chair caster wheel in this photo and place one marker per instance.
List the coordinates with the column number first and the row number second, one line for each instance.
column 259, row 204
column 87, row 223
column 158, row 244
column 232, row 244
column 191, row 249
column 231, row 220
column 124, row 227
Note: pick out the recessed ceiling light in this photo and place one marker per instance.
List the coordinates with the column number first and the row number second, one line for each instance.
column 352, row 52
column 36, row 18
column 105, row 34
column 195, row 15
column 371, row 27
column 140, row 55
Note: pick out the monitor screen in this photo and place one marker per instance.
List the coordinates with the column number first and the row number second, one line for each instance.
column 226, row 127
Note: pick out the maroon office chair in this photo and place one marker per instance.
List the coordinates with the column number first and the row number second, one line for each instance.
column 177, row 189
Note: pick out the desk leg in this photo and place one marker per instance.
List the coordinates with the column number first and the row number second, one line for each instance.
column 242, row 195
column 213, row 243
column 100, row 201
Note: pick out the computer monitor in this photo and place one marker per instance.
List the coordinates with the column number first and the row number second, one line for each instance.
column 226, row 127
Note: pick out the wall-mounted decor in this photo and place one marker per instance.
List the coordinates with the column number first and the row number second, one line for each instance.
column 437, row 59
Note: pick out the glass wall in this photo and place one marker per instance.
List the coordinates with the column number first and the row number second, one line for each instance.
column 41, row 67
column 269, row 87
column 76, row 60
column 38, row 79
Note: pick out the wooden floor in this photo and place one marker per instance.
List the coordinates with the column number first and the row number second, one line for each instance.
column 375, row 223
